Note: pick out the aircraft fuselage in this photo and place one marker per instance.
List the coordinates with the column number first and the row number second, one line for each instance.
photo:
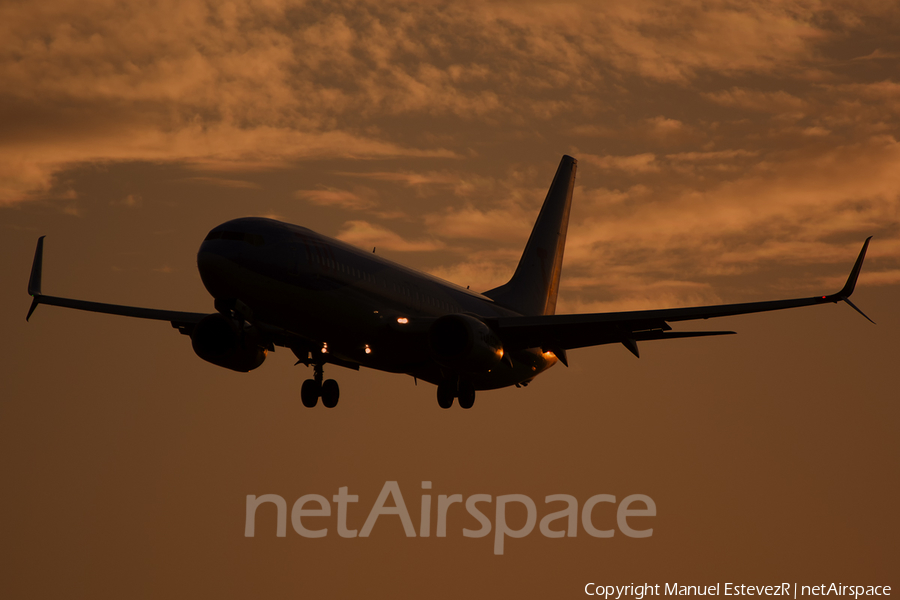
column 358, row 307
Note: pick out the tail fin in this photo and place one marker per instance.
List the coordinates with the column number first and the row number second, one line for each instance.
column 535, row 284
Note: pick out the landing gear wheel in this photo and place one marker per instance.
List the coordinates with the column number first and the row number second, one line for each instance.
column 309, row 393
column 330, row 393
column 466, row 394
column 445, row 395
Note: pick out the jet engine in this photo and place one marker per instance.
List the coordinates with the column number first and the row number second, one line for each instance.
column 222, row 341
column 465, row 344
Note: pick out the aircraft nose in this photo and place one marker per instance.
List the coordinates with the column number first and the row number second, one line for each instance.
column 214, row 269
column 207, row 260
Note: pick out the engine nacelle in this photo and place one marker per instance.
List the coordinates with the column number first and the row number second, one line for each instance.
column 465, row 344
column 222, row 341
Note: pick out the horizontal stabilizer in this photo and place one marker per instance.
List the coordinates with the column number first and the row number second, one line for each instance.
column 631, row 342
column 665, row 335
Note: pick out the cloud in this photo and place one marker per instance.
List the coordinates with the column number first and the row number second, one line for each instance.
column 478, row 273
column 227, row 183
column 663, row 126
column 410, row 178
column 425, row 183
column 879, row 54
column 815, row 131
column 129, row 201
column 496, row 224
column 30, row 168
column 814, row 210
column 336, row 197
column 712, row 142
column 711, row 156
column 885, row 93
column 634, row 293
column 779, row 102
column 638, row 163
column 889, row 277
column 257, row 85
column 368, row 235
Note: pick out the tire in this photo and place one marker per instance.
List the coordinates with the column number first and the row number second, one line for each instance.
column 466, row 395
column 330, row 393
column 445, row 396
column 309, row 393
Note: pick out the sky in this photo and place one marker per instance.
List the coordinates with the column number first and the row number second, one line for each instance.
column 727, row 152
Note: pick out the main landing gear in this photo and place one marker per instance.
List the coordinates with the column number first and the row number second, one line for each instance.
column 454, row 388
column 314, row 388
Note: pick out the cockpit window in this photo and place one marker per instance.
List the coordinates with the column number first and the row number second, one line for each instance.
column 236, row 236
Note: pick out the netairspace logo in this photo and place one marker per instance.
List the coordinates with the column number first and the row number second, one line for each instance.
column 302, row 512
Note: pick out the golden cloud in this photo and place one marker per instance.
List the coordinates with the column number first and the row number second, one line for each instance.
column 369, row 235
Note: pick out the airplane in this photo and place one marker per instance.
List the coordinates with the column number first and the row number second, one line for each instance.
column 277, row 284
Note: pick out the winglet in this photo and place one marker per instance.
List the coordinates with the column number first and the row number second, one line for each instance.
column 34, row 282
column 848, row 288
column 854, row 307
column 854, row 274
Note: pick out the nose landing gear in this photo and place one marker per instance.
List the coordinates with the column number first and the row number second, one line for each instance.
column 313, row 389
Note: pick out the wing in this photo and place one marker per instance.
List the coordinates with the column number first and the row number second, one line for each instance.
column 271, row 336
column 558, row 333
column 181, row 320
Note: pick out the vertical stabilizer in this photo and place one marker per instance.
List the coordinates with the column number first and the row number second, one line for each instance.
column 535, row 284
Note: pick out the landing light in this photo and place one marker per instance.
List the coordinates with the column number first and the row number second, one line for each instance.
column 368, row 350
column 402, row 320
column 324, row 348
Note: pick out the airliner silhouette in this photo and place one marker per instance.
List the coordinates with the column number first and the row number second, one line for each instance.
column 276, row 284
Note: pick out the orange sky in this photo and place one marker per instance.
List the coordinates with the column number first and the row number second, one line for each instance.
column 729, row 153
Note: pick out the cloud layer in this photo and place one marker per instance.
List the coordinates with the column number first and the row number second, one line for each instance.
column 710, row 139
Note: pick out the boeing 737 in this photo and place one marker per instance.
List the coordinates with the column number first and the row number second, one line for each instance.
column 276, row 284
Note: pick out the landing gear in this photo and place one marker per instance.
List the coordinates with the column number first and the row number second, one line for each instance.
column 450, row 389
column 445, row 394
column 312, row 389
column 330, row 393
column 466, row 394
column 309, row 393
